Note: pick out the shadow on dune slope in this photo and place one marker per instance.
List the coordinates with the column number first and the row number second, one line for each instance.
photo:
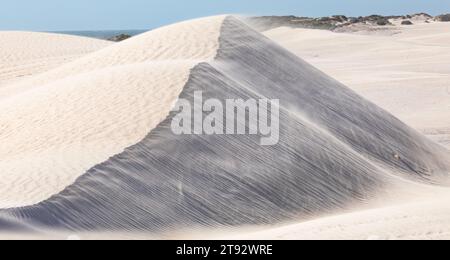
column 333, row 145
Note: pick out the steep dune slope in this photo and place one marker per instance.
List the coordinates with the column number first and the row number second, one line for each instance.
column 336, row 150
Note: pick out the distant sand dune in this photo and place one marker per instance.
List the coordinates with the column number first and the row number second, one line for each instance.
column 407, row 73
column 24, row 54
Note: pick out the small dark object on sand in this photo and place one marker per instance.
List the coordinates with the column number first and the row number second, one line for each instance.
column 407, row 22
column 119, row 38
column 382, row 22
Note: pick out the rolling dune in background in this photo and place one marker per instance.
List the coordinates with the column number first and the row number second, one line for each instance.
column 405, row 70
column 24, row 54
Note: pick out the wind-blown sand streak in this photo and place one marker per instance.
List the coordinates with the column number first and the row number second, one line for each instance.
column 336, row 150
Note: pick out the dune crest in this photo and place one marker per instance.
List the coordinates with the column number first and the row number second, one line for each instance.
column 57, row 125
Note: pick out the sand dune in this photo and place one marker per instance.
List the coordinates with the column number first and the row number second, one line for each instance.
column 24, row 54
column 89, row 143
column 406, row 72
column 58, row 124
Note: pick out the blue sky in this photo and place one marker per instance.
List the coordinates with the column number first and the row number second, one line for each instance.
column 56, row 15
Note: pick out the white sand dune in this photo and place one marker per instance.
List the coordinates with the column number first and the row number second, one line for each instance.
column 58, row 124
column 407, row 73
column 87, row 146
column 24, row 54
column 91, row 119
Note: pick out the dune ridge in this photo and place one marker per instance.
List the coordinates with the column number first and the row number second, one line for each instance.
column 58, row 124
column 336, row 150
